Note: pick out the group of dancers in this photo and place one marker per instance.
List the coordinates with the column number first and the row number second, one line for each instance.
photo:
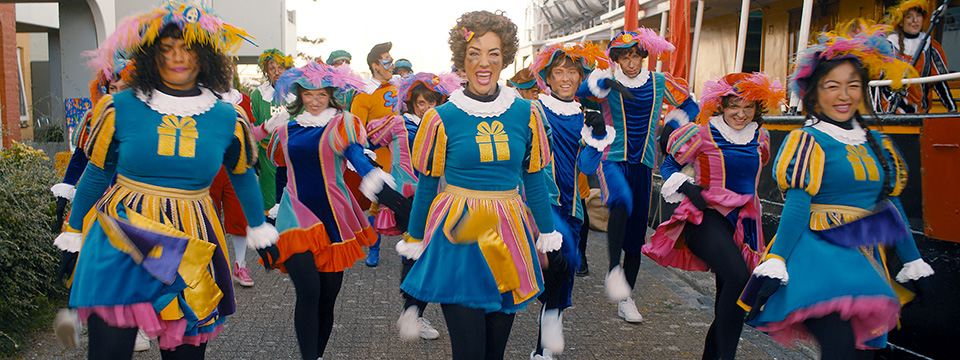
column 179, row 159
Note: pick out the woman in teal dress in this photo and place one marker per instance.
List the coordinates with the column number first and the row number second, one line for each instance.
column 480, row 259
column 153, row 253
column 833, row 171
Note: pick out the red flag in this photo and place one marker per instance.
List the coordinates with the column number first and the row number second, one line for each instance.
column 679, row 60
column 630, row 13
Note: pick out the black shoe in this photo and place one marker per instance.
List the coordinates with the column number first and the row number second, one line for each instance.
column 584, row 270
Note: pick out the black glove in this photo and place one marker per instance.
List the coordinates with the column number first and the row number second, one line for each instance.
column 923, row 288
column 665, row 138
column 618, row 87
column 768, row 286
column 401, row 206
column 594, row 120
column 61, row 207
column 693, row 192
column 268, row 255
column 557, row 263
column 68, row 261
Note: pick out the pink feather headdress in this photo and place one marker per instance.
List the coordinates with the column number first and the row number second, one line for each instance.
column 444, row 84
column 648, row 40
column 314, row 76
column 588, row 56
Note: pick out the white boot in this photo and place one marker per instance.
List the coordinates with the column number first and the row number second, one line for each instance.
column 408, row 325
column 551, row 331
column 67, row 328
column 627, row 309
column 616, row 285
column 143, row 341
column 427, row 332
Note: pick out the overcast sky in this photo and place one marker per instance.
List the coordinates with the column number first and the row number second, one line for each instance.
column 417, row 28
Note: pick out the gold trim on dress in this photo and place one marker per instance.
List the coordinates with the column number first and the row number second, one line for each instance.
column 481, row 194
column 161, row 191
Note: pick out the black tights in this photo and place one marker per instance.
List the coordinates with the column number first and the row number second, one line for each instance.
column 316, row 297
column 616, row 232
column 408, row 300
column 584, row 233
column 835, row 336
column 712, row 242
column 475, row 335
column 109, row 342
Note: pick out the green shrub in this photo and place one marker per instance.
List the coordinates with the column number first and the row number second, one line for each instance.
column 29, row 286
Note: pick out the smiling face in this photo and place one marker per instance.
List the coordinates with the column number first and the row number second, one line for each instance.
column 315, row 101
column 631, row 64
column 912, row 21
column 177, row 63
column 483, row 63
column 840, row 92
column 738, row 112
column 564, row 78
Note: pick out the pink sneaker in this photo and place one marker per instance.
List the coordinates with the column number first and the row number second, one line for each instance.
column 242, row 275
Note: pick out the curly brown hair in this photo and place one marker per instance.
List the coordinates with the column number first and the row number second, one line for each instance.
column 214, row 66
column 480, row 23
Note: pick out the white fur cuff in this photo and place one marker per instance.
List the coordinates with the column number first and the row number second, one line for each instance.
column 549, row 242
column 63, row 190
column 69, row 241
column 774, row 268
column 679, row 116
column 670, row 188
column 369, row 153
column 262, row 236
column 914, row 270
column 373, row 182
column 586, row 133
column 410, row 250
column 594, row 78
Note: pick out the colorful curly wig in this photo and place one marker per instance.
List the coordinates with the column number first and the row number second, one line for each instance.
column 444, row 84
column 286, row 61
column 122, row 70
column 313, row 76
column 758, row 86
column 896, row 13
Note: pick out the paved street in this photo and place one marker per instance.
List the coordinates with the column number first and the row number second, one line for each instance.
column 677, row 308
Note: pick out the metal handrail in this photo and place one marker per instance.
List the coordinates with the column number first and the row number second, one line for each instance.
column 882, row 119
column 919, row 80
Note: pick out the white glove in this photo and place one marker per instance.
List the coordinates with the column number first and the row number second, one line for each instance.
column 272, row 213
column 773, row 268
column 914, row 270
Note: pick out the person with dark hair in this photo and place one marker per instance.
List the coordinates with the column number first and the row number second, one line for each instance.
column 322, row 228
column 717, row 225
column 417, row 94
column 272, row 64
column 479, row 259
column 377, row 100
column 526, row 84
column 403, row 67
column 626, row 171
column 841, row 184
column 908, row 18
column 577, row 143
column 142, row 264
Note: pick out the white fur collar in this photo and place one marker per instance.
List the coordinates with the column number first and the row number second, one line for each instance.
column 306, row 119
column 233, row 96
column 739, row 137
column 631, row 82
column 483, row 109
column 179, row 106
column 371, row 85
column 413, row 117
column 560, row 107
column 266, row 91
column 855, row 136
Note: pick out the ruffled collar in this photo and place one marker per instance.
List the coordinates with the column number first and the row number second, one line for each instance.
column 632, row 82
column 855, row 136
column 233, row 96
column 412, row 117
column 179, row 106
column 371, row 85
column 482, row 109
column 266, row 91
column 306, row 119
column 559, row 107
column 739, row 137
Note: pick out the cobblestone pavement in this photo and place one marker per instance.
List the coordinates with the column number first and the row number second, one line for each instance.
column 677, row 308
